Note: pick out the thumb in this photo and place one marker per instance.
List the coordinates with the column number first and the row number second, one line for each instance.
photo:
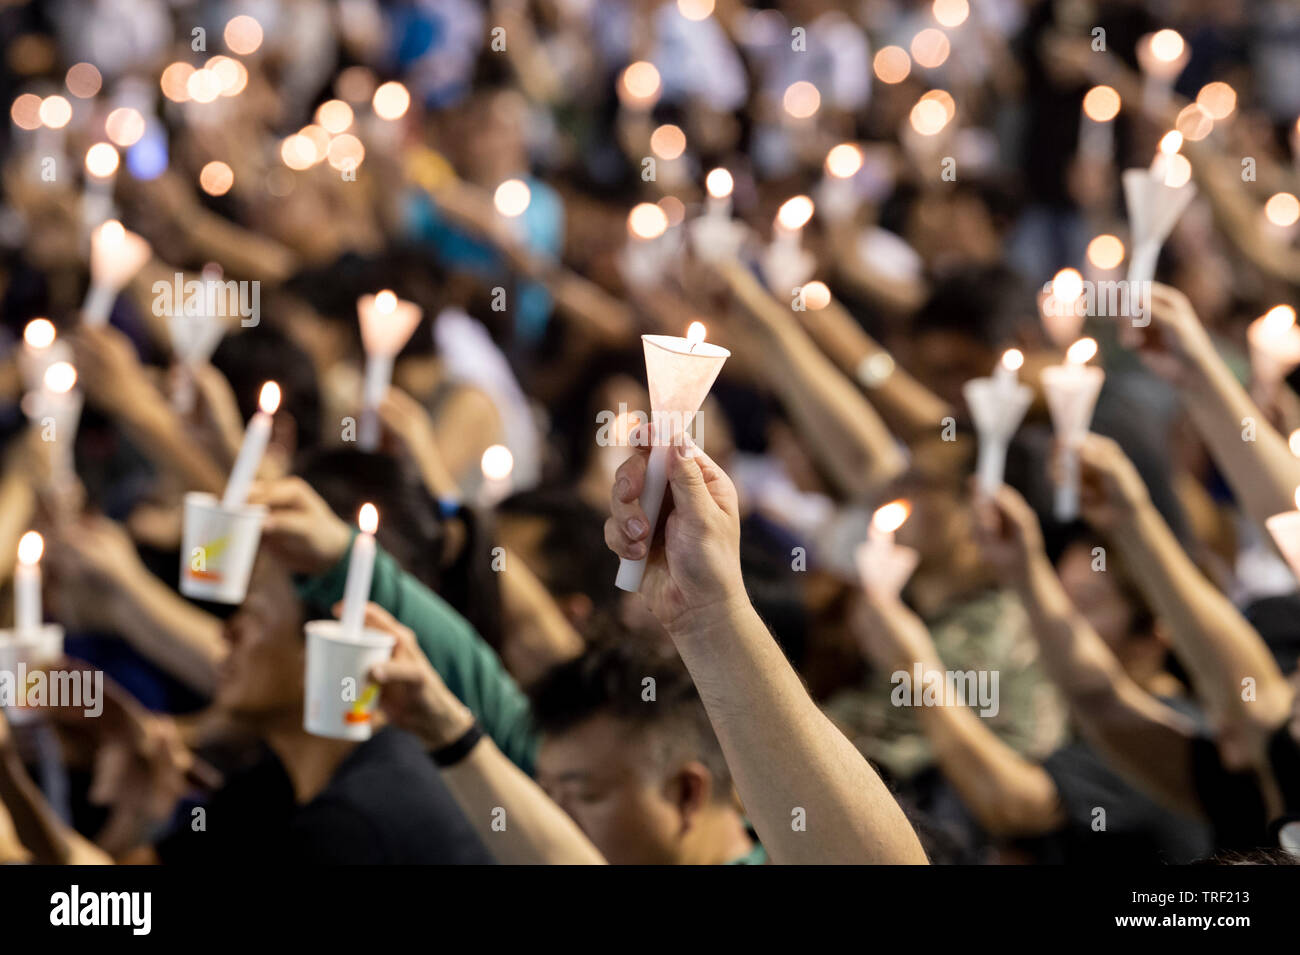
column 690, row 491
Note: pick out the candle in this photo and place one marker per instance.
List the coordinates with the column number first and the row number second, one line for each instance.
column 639, row 88
column 60, row 402
column 714, row 236
column 790, row 220
column 719, row 185
column 1274, row 342
column 884, row 566
column 668, row 143
column 256, row 437
column 1071, row 390
column 27, row 584
column 1101, row 105
column 387, row 323
column 512, row 199
column 39, row 351
column 679, row 372
column 361, row 566
column 1162, row 164
column 997, row 406
column 836, row 194
column 497, row 464
column 643, row 258
column 102, row 161
column 1161, row 56
column 1285, row 530
column 1063, row 308
column 116, row 254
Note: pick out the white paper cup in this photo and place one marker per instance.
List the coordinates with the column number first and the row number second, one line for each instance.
column 33, row 650
column 218, row 548
column 340, row 701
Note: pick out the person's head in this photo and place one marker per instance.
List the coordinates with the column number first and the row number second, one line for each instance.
column 1101, row 587
column 964, row 326
column 628, row 752
column 262, row 354
column 260, row 682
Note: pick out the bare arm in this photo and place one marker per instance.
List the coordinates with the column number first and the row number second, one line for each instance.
column 788, row 760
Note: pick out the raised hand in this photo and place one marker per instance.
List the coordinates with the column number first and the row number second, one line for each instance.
column 300, row 528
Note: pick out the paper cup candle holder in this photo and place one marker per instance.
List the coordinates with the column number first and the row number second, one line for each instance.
column 220, row 537
column 679, row 372
column 31, row 643
column 387, row 323
column 340, row 700
column 884, row 566
column 1071, row 390
column 1154, row 207
column 997, row 406
column 116, row 255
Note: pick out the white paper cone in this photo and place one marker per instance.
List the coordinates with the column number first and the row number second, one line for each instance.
column 1071, row 393
column 679, row 374
column 997, row 408
column 1153, row 210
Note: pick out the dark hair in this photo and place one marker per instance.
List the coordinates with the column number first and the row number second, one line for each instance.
column 575, row 559
column 265, row 354
column 412, row 529
column 1143, row 618
column 609, row 679
column 986, row 303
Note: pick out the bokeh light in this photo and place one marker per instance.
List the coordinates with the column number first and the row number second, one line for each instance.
column 216, row 178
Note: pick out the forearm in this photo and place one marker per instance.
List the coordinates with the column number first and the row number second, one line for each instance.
column 1008, row 794
column 841, row 427
column 38, row 828
column 1263, row 473
column 539, row 635
column 904, row 402
column 1147, row 740
column 533, row 830
column 1211, row 637
column 151, row 423
column 787, row 760
column 171, row 632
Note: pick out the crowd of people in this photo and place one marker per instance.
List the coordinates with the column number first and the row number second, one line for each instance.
column 538, row 181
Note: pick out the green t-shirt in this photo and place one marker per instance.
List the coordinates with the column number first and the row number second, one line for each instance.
column 470, row 668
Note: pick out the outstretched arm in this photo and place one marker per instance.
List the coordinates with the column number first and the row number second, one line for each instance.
column 788, row 760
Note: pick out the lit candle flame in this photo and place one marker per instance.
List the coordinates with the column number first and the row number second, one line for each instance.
column 890, row 517
column 1171, row 142
column 385, row 302
column 1013, row 359
column 719, row 183
column 30, row 548
column 39, row 333
column 1278, row 320
column 497, row 463
column 844, row 160
column 1081, row 351
column 696, row 332
column 647, row 221
column 1167, row 45
column 60, row 377
column 269, row 398
column 1067, row 285
column 795, row 213
column 512, row 198
column 368, row 518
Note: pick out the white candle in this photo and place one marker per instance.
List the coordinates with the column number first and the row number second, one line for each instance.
column 387, row 323
column 63, row 404
column 102, row 162
column 27, row 584
column 1101, row 105
column 643, row 259
column 836, row 196
column 886, row 520
column 788, row 227
column 256, row 437
column 720, row 185
column 1071, row 390
column 116, row 254
column 361, row 566
column 884, row 567
column 1162, row 56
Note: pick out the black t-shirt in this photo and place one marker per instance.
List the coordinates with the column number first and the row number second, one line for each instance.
column 1234, row 802
column 386, row 804
column 1137, row 830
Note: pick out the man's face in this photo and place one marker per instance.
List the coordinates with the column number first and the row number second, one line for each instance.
column 263, row 672
column 599, row 773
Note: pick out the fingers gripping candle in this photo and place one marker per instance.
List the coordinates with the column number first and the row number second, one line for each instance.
column 679, row 372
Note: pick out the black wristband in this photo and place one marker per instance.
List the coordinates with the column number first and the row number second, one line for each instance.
column 453, row 753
